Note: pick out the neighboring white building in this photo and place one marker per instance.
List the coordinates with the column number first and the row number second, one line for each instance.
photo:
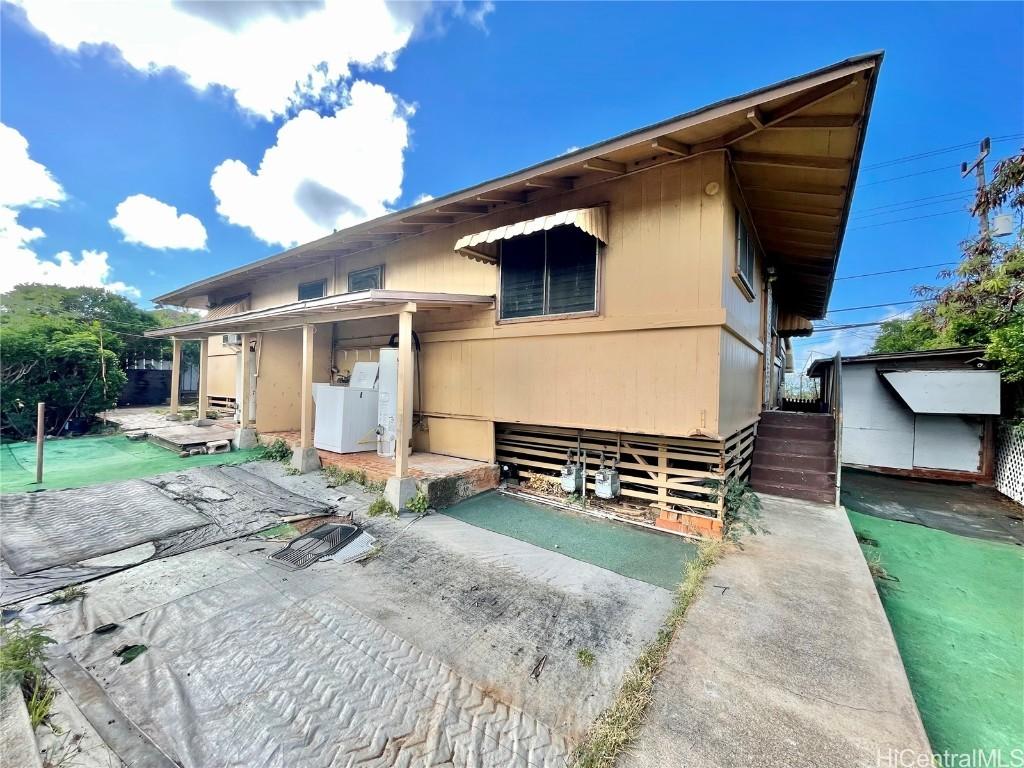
column 922, row 414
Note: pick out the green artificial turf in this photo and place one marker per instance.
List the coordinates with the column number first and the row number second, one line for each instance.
column 81, row 461
column 655, row 558
column 957, row 611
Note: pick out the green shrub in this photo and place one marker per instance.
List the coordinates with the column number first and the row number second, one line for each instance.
column 381, row 506
column 742, row 508
column 375, row 486
column 279, row 450
column 419, row 503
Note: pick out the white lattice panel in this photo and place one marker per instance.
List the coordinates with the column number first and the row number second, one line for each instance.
column 1010, row 461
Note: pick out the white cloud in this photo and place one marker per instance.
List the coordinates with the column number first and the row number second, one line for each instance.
column 26, row 183
column 147, row 221
column 272, row 55
column 422, row 198
column 323, row 173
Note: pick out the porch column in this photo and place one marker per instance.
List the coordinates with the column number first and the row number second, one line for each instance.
column 402, row 487
column 204, row 376
column 403, row 406
column 175, row 376
column 304, row 456
column 245, row 396
column 245, row 435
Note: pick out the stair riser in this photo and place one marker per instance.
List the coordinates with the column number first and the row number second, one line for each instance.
column 821, row 481
column 782, row 419
column 822, row 433
column 785, row 461
column 794, row 448
column 824, row 497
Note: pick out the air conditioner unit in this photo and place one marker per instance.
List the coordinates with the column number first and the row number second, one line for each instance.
column 232, row 339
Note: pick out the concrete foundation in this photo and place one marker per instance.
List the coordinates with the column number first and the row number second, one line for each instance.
column 305, row 460
column 245, row 437
column 173, row 417
column 399, row 490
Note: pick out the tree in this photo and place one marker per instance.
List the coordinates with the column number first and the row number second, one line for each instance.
column 68, row 347
column 902, row 334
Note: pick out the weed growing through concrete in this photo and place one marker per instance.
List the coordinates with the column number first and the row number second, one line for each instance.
column 374, row 486
column 21, row 664
column 292, row 471
column 418, row 504
column 279, row 450
column 620, row 723
column 66, row 595
column 381, row 506
column 337, row 476
column 585, row 657
column 742, row 508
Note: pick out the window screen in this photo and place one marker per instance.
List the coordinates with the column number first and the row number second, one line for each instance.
column 549, row 273
column 366, row 279
column 315, row 290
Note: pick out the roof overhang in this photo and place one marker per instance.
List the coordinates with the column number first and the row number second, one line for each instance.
column 795, row 148
column 332, row 309
column 946, row 392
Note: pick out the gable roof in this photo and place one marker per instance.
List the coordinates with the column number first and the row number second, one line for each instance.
column 795, row 148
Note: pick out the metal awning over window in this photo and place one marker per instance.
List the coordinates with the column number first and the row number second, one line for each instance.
column 483, row 246
column 952, row 392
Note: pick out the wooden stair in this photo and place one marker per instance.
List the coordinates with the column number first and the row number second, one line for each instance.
column 795, row 456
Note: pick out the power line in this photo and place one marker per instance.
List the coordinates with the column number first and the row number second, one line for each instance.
column 911, row 218
column 907, row 176
column 900, row 209
column 940, row 151
column 955, row 193
column 894, row 271
column 877, row 306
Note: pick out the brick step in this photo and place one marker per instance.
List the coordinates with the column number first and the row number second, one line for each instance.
column 825, row 432
column 796, row 477
column 786, row 461
column 794, row 448
column 796, row 492
column 788, row 419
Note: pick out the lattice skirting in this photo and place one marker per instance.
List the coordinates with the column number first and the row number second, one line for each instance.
column 1010, row 461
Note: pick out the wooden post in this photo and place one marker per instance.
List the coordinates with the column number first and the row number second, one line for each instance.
column 40, row 436
column 404, row 404
column 204, row 376
column 245, row 396
column 306, row 425
column 175, row 374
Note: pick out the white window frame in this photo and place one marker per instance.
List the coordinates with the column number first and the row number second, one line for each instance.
column 322, row 282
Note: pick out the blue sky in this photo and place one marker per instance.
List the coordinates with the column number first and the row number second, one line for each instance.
column 417, row 100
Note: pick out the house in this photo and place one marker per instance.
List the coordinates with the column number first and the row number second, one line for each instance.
column 928, row 414
column 631, row 299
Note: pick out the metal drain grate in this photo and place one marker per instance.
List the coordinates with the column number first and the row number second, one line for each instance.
column 308, row 548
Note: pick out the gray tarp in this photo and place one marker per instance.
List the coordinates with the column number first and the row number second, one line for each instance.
column 171, row 513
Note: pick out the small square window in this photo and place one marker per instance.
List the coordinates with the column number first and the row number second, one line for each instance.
column 313, row 290
column 368, row 279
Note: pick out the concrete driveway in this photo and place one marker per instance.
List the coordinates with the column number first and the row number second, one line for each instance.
column 454, row 646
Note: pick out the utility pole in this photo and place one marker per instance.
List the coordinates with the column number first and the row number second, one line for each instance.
column 978, row 166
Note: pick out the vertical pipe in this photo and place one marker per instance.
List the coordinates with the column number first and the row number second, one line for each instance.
column 40, row 434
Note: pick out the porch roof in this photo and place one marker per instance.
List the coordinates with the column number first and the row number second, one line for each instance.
column 795, row 148
column 346, row 306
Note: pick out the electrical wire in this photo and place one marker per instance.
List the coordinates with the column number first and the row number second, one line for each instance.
column 911, row 218
column 888, row 211
column 894, row 271
column 940, row 151
column 877, row 306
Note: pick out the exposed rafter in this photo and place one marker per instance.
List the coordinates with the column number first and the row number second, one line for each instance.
column 811, row 162
column 671, row 146
column 801, row 122
column 605, row 166
column 502, row 196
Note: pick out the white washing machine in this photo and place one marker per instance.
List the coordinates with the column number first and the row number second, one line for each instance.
column 346, row 416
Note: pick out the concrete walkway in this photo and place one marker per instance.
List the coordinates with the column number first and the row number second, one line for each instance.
column 786, row 659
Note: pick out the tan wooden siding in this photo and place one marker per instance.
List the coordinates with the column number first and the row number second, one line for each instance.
column 740, row 388
column 277, row 383
column 648, row 363
column 223, row 368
